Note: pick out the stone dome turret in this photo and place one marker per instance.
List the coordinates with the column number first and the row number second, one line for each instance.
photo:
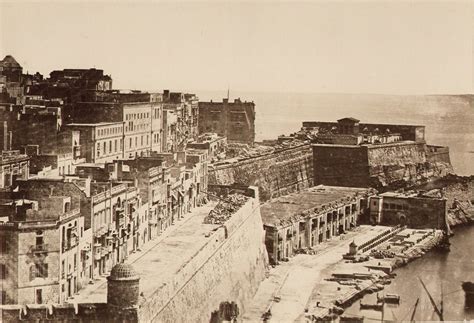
column 123, row 286
column 123, row 271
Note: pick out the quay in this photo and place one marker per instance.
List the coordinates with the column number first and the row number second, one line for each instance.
column 314, row 287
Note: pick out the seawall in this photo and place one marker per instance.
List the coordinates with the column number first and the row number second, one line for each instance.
column 278, row 173
column 381, row 166
column 228, row 268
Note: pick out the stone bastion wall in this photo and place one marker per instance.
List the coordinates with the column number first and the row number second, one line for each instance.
column 275, row 174
column 229, row 268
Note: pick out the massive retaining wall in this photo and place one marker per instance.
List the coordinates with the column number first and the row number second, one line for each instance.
column 275, row 174
column 384, row 166
column 404, row 163
column 229, row 268
column 459, row 193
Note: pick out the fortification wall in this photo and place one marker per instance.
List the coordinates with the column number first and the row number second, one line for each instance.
column 341, row 165
column 385, row 166
column 275, row 174
column 396, row 165
column 228, row 268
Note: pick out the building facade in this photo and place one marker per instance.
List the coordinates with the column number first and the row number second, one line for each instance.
column 303, row 220
column 233, row 120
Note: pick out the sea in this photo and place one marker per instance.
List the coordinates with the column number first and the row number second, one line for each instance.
column 449, row 121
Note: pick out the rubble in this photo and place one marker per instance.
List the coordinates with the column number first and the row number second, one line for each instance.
column 225, row 209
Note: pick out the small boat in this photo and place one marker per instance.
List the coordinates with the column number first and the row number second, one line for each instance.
column 389, row 299
column 375, row 307
column 352, row 319
column 468, row 288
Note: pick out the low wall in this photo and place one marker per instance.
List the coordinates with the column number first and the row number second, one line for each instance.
column 275, row 174
column 228, row 268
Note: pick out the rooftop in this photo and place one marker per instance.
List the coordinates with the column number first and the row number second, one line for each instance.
column 97, row 124
column 286, row 207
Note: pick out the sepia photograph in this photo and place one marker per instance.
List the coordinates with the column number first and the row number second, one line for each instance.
column 236, row 161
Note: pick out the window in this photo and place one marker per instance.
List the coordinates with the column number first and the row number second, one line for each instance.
column 3, row 245
column 105, row 147
column 130, row 145
column 3, row 296
column 115, row 145
column 63, row 269
column 38, row 270
column 110, row 146
column 75, row 262
column 39, row 238
column 39, row 296
column 3, row 271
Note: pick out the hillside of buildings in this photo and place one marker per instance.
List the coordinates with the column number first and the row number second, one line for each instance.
column 92, row 177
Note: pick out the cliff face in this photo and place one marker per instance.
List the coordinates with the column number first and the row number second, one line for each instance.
column 275, row 174
column 459, row 193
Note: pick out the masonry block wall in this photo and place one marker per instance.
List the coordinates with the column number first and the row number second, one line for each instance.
column 228, row 268
column 275, row 174
column 341, row 165
column 378, row 166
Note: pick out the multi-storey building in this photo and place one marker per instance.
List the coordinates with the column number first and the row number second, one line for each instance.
column 100, row 142
column 306, row 219
column 141, row 123
column 185, row 109
column 13, row 166
column 41, row 252
column 234, row 120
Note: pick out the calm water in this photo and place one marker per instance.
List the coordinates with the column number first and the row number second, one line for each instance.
column 449, row 120
column 446, row 271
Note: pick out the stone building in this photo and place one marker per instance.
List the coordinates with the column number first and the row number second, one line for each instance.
column 184, row 108
column 305, row 219
column 233, row 120
column 13, row 166
column 100, row 142
column 141, row 122
column 42, row 257
column 213, row 143
column 349, row 131
column 349, row 153
column 413, row 209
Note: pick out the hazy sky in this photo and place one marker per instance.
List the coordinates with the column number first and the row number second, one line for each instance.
column 370, row 47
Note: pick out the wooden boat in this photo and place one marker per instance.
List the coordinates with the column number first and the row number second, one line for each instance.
column 375, row 307
column 352, row 319
column 389, row 299
column 468, row 288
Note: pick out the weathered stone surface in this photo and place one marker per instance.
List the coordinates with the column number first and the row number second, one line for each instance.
column 276, row 174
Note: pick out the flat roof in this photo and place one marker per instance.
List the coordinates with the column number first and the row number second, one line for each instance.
column 285, row 207
column 97, row 124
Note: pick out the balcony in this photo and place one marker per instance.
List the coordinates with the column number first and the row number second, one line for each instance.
column 39, row 248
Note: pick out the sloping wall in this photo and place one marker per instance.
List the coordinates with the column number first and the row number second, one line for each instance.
column 229, row 268
column 275, row 174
